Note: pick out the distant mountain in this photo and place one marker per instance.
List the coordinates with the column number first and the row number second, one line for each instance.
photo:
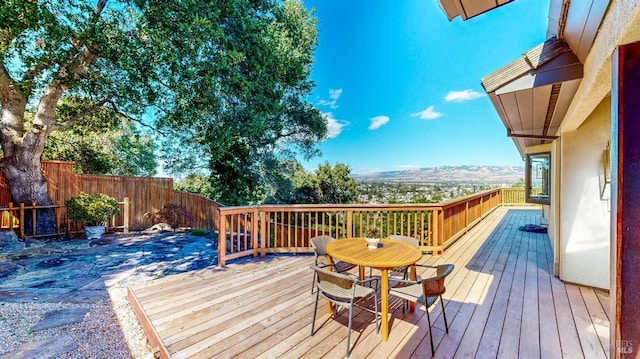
column 464, row 174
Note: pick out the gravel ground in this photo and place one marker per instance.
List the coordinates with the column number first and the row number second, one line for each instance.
column 109, row 329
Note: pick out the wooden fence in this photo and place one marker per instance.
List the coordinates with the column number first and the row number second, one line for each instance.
column 13, row 217
column 257, row 230
column 144, row 195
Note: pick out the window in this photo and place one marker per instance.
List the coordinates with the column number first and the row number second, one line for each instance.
column 537, row 178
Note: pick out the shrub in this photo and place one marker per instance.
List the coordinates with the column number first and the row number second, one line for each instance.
column 198, row 232
column 172, row 214
column 91, row 209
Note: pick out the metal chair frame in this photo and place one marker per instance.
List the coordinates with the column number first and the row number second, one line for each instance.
column 343, row 290
column 319, row 245
column 425, row 291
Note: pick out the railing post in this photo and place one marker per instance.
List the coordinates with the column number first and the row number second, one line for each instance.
column 434, row 227
column 257, row 248
column 440, row 236
column 56, row 209
column 349, row 229
column 125, row 216
column 263, row 232
column 34, row 218
column 466, row 214
column 222, row 238
column 21, row 220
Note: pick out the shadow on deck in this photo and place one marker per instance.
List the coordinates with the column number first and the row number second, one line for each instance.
column 502, row 301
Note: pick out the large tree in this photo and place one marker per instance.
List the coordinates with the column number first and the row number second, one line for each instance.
column 228, row 77
column 245, row 104
column 335, row 185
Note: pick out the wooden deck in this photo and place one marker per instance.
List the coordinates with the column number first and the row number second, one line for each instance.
column 501, row 302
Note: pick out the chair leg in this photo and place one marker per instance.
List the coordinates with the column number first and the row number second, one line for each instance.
column 444, row 315
column 315, row 310
column 313, row 283
column 405, row 306
column 433, row 350
column 375, row 298
column 349, row 332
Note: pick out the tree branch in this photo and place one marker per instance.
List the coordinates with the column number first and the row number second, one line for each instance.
column 131, row 118
column 35, row 70
column 77, row 65
column 87, row 54
column 6, row 85
column 82, row 114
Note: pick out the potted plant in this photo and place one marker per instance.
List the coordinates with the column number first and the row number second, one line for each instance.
column 93, row 210
column 372, row 236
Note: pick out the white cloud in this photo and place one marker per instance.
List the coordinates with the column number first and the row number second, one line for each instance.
column 334, row 126
column 464, row 95
column 334, row 94
column 378, row 122
column 429, row 114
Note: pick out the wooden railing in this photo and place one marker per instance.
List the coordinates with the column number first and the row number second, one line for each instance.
column 257, row 230
column 513, row 196
column 13, row 217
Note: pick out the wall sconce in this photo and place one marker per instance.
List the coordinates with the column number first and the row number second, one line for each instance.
column 605, row 175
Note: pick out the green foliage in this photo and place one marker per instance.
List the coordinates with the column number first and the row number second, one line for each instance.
column 172, row 214
column 196, row 183
column 327, row 184
column 105, row 143
column 287, row 182
column 519, row 183
column 334, row 184
column 198, row 232
column 242, row 77
column 91, row 209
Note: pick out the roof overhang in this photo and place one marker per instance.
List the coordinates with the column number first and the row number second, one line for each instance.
column 467, row 9
column 532, row 94
column 576, row 22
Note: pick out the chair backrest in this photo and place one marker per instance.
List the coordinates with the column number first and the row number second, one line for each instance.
column 405, row 239
column 434, row 286
column 335, row 284
column 319, row 244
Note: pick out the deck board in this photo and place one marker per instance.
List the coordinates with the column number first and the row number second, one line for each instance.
column 501, row 301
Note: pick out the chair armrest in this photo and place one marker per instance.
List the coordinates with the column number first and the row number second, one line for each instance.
column 363, row 281
column 408, row 281
column 425, row 266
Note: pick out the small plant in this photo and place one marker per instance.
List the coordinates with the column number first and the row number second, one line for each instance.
column 373, row 227
column 198, row 232
column 91, row 209
column 372, row 231
column 172, row 214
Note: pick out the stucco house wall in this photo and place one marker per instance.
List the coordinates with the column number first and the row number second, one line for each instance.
column 584, row 243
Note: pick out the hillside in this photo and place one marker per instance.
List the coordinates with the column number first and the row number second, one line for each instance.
column 459, row 174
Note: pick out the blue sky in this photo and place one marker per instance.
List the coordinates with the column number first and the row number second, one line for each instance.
column 400, row 84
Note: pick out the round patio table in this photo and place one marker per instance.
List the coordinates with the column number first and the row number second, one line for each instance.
column 389, row 254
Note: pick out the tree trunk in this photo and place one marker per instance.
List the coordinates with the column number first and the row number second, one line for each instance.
column 22, row 152
column 27, row 184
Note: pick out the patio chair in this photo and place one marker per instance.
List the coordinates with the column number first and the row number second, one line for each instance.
column 343, row 290
column 425, row 291
column 403, row 270
column 319, row 244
